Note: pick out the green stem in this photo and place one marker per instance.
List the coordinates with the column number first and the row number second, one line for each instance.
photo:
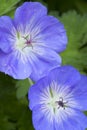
column 30, row 81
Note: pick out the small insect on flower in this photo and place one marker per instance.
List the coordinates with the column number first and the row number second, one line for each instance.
column 30, row 42
column 58, row 100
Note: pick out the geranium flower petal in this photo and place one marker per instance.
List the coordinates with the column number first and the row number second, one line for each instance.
column 29, row 13
column 72, row 122
column 66, row 75
column 42, row 60
column 81, row 93
column 57, row 40
column 55, row 100
column 14, row 65
column 7, row 31
column 22, row 38
column 40, row 121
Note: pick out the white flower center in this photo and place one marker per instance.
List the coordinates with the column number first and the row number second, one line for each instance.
column 57, row 101
column 23, row 42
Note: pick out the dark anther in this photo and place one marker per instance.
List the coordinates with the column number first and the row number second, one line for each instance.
column 28, row 42
column 61, row 103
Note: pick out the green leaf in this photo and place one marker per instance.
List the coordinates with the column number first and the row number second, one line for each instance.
column 22, row 88
column 76, row 51
column 76, row 29
column 7, row 5
column 14, row 114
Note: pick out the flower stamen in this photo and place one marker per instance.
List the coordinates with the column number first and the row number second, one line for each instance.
column 28, row 42
column 61, row 103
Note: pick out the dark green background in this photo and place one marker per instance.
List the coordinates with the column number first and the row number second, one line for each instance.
column 14, row 112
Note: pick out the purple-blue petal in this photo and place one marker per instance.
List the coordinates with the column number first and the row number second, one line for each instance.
column 6, row 23
column 13, row 65
column 81, row 93
column 29, row 13
column 65, row 75
column 70, row 118
column 35, row 92
column 80, row 118
column 6, row 34
column 50, row 33
column 43, row 60
column 78, row 121
column 31, row 19
column 40, row 120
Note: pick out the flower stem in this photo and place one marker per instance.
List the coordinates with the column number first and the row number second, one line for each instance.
column 30, row 81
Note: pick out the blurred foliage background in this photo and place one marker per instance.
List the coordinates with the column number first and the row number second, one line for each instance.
column 14, row 111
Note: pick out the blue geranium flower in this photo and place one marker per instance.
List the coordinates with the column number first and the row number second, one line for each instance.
column 29, row 43
column 58, row 100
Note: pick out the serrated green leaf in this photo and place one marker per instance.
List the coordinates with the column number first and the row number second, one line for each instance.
column 76, row 28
